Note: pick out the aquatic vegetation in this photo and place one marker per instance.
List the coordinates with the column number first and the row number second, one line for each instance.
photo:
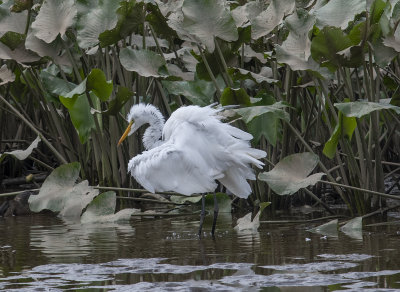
column 319, row 79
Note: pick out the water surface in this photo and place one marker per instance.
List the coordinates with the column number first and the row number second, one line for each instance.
column 44, row 253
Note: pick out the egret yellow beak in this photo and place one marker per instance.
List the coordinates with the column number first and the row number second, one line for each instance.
column 125, row 134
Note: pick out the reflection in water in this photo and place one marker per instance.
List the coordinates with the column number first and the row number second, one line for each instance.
column 44, row 252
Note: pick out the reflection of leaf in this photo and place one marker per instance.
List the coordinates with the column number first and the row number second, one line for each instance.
column 102, row 208
column 224, row 202
column 245, row 223
column 145, row 63
column 353, row 228
column 60, row 194
column 53, row 19
column 328, row 229
column 291, row 173
column 361, row 108
column 22, row 154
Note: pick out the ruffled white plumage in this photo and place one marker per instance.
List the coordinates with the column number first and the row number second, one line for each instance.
column 196, row 150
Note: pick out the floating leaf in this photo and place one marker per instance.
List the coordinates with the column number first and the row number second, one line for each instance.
column 199, row 92
column 22, row 154
column 145, row 63
column 291, row 173
column 353, row 228
column 6, row 75
column 184, row 199
column 267, row 20
column 54, row 18
column 207, row 19
column 60, row 194
column 102, row 208
column 328, row 229
column 249, row 113
column 339, row 13
column 361, row 108
column 245, row 223
column 263, row 205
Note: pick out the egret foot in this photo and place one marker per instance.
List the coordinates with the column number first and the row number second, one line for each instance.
column 216, row 210
column 203, row 213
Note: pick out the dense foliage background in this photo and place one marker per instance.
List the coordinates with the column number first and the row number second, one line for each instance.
column 317, row 76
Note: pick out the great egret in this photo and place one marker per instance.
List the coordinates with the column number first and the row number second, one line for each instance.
column 190, row 152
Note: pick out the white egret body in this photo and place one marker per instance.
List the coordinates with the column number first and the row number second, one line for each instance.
column 191, row 151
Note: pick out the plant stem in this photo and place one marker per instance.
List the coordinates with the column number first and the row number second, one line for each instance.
column 30, row 125
column 361, row 190
column 203, row 57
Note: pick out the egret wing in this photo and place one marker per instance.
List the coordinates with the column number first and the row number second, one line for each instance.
column 169, row 168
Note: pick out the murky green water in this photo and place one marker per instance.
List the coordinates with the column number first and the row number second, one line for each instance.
column 43, row 253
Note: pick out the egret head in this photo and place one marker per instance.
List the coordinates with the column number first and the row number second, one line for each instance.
column 139, row 115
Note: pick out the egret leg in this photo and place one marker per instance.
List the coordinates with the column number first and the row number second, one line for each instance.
column 203, row 213
column 216, row 210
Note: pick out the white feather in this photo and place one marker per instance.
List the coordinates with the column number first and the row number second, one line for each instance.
column 196, row 149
